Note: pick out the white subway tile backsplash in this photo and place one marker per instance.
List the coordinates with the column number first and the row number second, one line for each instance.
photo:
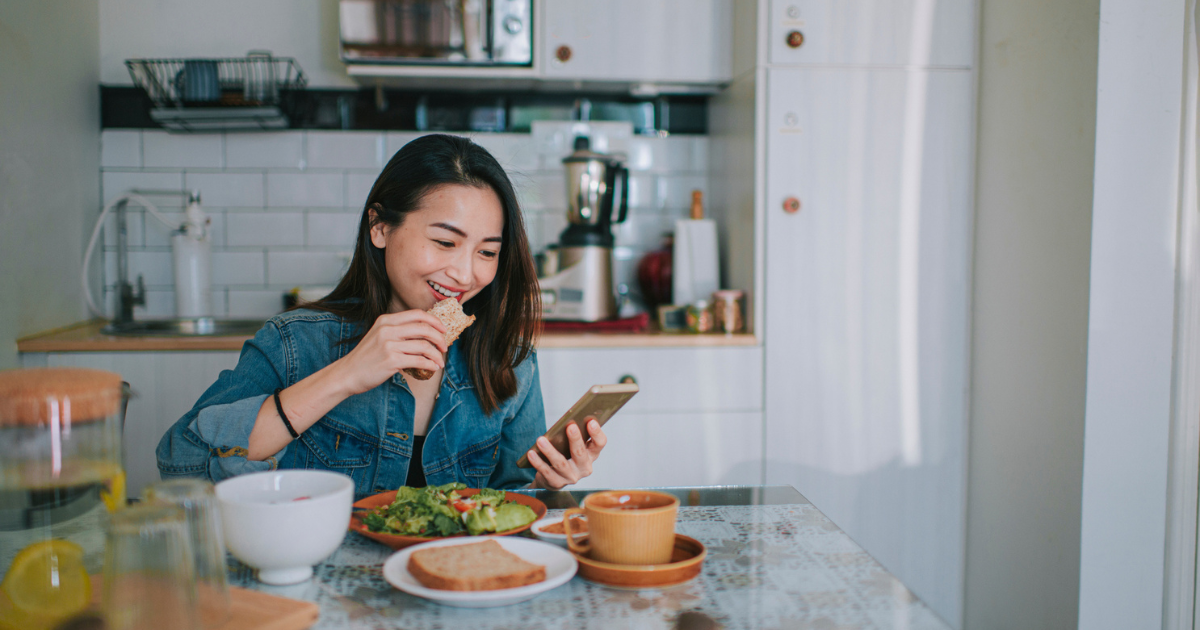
column 305, row 190
column 155, row 268
column 121, row 148
column 676, row 192
column 345, row 149
column 643, row 231
column 160, row 303
column 239, row 268
column 642, row 188
column 544, row 191
column 133, row 228
column 514, row 151
column 283, row 149
column 358, row 186
column 225, row 190
column 113, row 183
column 699, row 161
column 304, row 268
column 253, row 229
column 397, row 139
column 165, row 150
column 313, row 215
column 262, row 304
column 333, row 229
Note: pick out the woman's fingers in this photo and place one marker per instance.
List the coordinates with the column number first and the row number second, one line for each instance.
column 599, row 439
column 564, row 467
column 549, row 477
column 580, row 455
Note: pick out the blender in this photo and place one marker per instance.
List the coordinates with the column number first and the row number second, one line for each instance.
column 578, row 282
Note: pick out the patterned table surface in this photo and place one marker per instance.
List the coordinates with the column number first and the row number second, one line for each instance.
column 774, row 561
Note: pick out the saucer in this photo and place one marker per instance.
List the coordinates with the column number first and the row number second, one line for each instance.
column 685, row 564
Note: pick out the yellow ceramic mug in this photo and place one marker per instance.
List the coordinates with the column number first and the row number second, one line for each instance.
column 626, row 527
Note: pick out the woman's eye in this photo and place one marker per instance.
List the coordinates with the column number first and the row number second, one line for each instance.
column 445, row 243
column 489, row 254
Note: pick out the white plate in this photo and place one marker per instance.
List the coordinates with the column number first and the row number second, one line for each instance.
column 560, row 567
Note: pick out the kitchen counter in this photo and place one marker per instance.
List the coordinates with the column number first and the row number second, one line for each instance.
column 86, row 337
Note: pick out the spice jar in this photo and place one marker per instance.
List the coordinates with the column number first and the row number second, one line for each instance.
column 699, row 317
column 727, row 311
column 60, row 477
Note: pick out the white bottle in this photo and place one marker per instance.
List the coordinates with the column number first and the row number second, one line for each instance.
column 191, row 249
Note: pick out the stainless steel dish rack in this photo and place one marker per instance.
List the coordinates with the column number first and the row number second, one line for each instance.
column 249, row 93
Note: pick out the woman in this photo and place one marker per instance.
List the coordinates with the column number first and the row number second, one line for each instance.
column 322, row 386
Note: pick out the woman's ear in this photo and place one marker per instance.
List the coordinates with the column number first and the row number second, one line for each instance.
column 378, row 228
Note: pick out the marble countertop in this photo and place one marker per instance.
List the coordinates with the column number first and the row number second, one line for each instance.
column 774, row 561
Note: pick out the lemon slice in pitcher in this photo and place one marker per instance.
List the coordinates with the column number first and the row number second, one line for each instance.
column 46, row 582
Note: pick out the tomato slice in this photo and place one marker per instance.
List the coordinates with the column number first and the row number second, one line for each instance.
column 463, row 506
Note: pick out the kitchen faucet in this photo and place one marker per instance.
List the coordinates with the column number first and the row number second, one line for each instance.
column 129, row 296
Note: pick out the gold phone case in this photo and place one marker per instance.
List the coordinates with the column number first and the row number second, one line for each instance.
column 600, row 402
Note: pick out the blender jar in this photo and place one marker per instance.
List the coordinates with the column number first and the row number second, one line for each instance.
column 60, row 478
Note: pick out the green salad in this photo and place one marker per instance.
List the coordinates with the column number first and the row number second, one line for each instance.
column 442, row 511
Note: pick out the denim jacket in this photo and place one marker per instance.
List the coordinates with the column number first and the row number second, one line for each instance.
column 367, row 436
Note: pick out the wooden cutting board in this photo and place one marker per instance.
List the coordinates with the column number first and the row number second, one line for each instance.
column 252, row 610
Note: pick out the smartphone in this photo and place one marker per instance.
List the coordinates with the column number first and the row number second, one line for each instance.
column 600, row 402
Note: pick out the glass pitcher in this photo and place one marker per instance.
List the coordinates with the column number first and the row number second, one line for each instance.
column 60, row 478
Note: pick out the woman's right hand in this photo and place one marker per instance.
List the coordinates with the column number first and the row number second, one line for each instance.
column 397, row 341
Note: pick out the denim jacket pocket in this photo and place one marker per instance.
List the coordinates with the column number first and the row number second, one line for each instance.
column 479, row 460
column 329, row 445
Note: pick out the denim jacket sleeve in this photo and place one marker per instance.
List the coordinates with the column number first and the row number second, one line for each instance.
column 213, row 439
column 521, row 430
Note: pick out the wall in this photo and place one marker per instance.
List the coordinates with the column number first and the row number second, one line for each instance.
column 1131, row 336
column 307, row 31
column 1036, row 126
column 285, row 206
column 49, row 156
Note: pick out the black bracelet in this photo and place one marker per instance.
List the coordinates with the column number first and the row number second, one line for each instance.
column 283, row 416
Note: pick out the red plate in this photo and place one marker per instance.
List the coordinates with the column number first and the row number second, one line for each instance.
column 396, row 541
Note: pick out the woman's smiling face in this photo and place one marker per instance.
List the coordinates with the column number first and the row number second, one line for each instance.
column 448, row 247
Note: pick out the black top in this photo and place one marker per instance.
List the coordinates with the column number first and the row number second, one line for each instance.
column 416, row 474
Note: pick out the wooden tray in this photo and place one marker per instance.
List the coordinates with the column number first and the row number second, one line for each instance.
column 252, row 610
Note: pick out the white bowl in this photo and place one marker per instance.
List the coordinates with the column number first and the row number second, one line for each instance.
column 282, row 522
column 558, row 539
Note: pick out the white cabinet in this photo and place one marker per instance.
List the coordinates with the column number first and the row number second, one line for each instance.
column 696, row 421
column 165, row 386
column 872, row 32
column 664, row 41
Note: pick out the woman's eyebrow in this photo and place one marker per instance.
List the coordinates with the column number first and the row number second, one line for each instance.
column 451, row 228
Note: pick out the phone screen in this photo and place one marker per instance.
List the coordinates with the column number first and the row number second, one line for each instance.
column 600, row 402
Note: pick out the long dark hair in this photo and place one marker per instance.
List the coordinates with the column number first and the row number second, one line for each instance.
column 507, row 312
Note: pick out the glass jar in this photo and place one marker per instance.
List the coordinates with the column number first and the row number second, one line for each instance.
column 699, row 317
column 727, row 311
column 60, row 477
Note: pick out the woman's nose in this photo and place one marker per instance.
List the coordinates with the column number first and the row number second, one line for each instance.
column 460, row 270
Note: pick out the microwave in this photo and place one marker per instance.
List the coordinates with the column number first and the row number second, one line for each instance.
column 437, row 32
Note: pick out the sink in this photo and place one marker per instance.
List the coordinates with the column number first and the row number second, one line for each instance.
column 186, row 327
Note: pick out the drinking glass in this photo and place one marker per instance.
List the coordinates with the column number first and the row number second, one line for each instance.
column 149, row 580
column 200, row 508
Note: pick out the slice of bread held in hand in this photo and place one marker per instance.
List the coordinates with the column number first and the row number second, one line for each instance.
column 481, row 566
column 450, row 312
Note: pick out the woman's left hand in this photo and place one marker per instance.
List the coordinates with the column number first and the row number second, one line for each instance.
column 556, row 471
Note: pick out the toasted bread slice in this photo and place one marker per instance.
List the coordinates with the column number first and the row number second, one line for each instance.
column 481, row 566
column 450, row 312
